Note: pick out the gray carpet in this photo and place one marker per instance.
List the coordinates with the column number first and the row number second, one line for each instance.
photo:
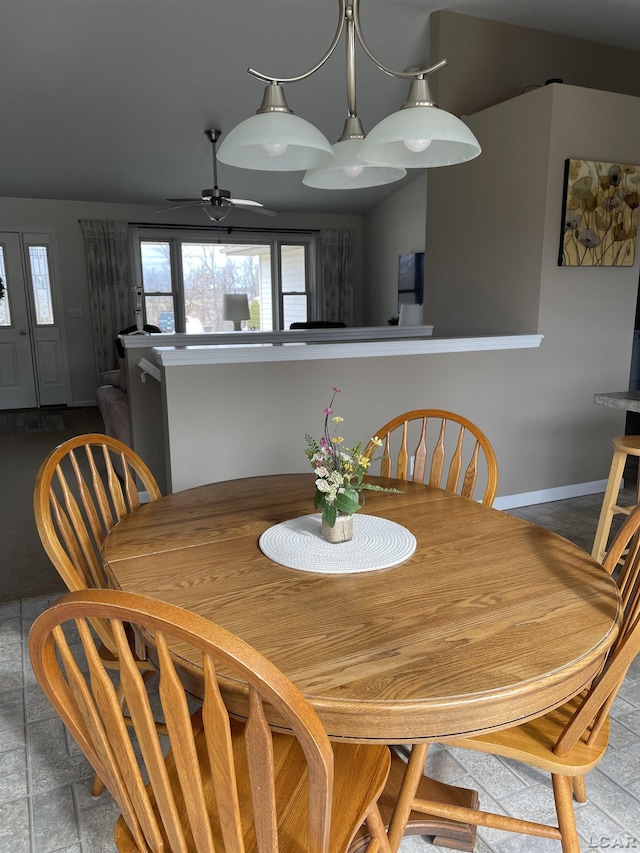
column 25, row 569
column 28, row 421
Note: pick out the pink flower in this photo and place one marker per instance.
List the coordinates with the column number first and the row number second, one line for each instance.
column 327, row 411
column 336, row 390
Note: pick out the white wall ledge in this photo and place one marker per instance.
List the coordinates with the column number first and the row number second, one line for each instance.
column 317, row 350
column 354, row 333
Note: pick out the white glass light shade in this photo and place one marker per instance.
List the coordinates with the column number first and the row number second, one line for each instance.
column 451, row 140
column 275, row 142
column 348, row 172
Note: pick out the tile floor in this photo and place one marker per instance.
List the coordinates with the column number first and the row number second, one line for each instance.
column 46, row 807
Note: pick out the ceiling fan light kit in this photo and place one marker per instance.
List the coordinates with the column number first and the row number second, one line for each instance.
column 418, row 136
column 217, row 203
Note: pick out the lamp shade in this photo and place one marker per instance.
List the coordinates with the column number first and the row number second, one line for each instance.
column 442, row 137
column 411, row 314
column 235, row 307
column 348, row 172
column 275, row 142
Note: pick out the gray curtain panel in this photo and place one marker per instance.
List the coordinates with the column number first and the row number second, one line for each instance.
column 337, row 270
column 106, row 247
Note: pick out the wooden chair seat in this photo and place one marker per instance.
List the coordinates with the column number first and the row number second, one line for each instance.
column 438, row 447
column 292, row 805
column 534, row 742
column 223, row 785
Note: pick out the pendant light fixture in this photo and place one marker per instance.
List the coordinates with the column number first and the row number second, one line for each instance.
column 347, row 170
column 419, row 135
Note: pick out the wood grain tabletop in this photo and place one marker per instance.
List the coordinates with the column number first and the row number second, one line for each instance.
column 491, row 620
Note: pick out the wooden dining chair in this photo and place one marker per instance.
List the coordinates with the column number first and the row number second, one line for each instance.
column 568, row 741
column 83, row 488
column 441, row 448
column 220, row 783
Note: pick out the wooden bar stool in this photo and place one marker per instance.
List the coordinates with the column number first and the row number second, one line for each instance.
column 623, row 446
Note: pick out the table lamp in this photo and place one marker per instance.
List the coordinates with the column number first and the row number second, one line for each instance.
column 410, row 314
column 235, row 307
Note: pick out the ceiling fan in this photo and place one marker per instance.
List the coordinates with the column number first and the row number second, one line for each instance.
column 218, row 203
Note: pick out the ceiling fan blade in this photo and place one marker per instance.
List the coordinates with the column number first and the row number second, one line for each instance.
column 253, row 206
column 186, row 203
column 247, row 202
column 188, row 200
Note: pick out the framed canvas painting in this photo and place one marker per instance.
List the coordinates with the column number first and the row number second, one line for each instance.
column 600, row 214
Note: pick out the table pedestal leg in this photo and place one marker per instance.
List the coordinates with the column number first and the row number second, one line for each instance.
column 445, row 833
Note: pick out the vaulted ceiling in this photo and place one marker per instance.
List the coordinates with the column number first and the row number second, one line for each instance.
column 108, row 100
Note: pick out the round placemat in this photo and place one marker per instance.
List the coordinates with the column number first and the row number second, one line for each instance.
column 377, row 544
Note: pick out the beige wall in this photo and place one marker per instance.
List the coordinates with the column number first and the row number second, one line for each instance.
column 494, row 257
column 63, row 217
column 395, row 227
column 489, row 61
column 485, row 223
column 261, row 430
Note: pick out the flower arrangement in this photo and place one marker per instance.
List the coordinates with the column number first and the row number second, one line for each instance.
column 339, row 470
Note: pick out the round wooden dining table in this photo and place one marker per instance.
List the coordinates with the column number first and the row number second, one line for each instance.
column 491, row 620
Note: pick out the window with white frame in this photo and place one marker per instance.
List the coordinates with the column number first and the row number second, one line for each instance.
column 183, row 275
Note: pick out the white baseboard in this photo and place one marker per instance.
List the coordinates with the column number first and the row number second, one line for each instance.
column 545, row 495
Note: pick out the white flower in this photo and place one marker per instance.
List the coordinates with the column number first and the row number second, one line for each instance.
column 322, row 486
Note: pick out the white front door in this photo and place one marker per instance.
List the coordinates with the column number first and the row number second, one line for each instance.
column 33, row 361
column 17, row 374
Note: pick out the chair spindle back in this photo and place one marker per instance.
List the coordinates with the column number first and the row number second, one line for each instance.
column 79, row 497
column 197, row 799
column 593, row 711
column 448, row 451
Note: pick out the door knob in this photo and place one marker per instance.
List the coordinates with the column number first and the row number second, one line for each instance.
column 23, row 331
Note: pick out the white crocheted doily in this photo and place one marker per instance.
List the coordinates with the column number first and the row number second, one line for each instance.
column 377, row 544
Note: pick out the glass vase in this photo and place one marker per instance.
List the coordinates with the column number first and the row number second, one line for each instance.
column 342, row 530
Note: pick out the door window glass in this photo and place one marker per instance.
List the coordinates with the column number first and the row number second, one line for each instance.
column 41, row 284
column 5, row 311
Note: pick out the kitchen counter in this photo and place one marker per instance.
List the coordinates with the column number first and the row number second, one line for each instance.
column 627, row 400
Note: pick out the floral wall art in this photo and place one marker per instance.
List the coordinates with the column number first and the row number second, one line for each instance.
column 600, row 214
